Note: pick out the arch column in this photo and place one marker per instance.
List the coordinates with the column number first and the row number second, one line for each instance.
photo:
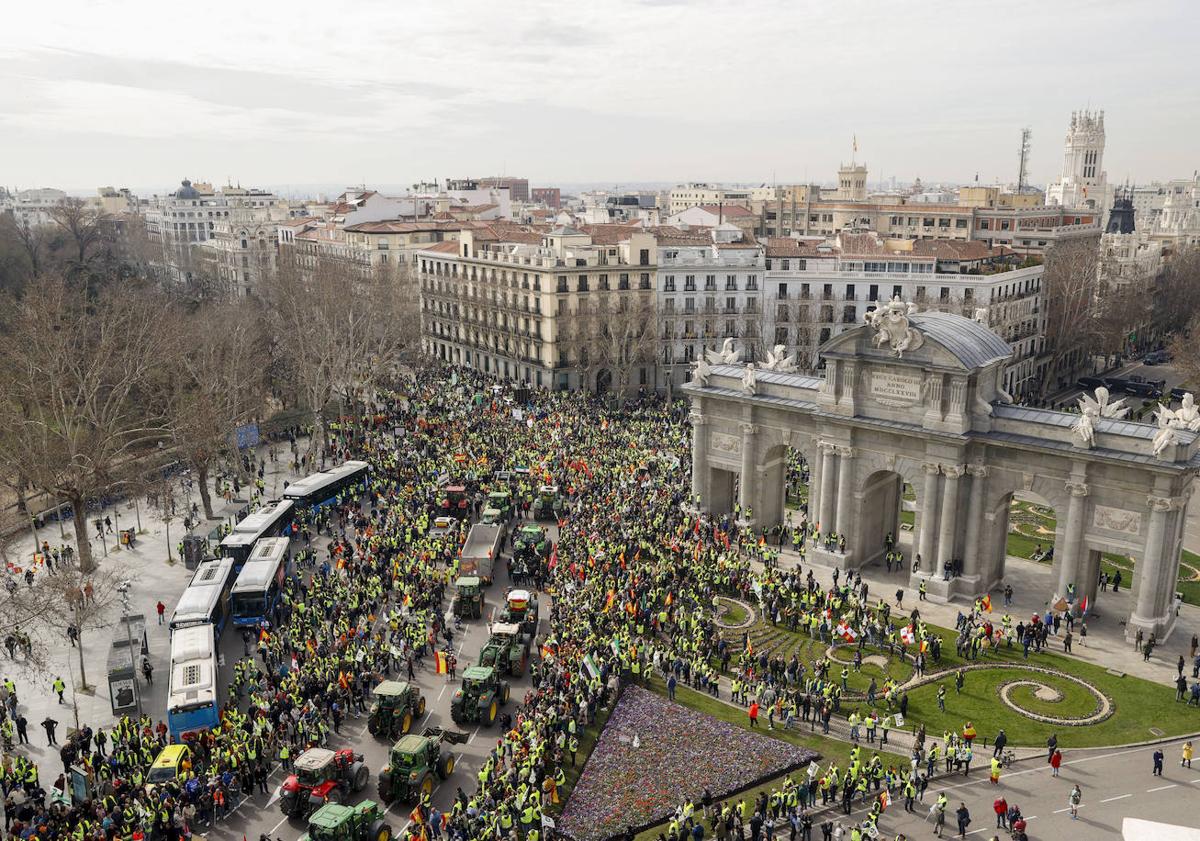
column 700, row 429
column 1151, row 611
column 973, row 547
column 827, row 479
column 929, row 507
column 748, row 478
column 845, row 485
column 1068, row 556
column 952, row 472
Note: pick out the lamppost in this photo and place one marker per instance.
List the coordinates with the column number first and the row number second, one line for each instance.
column 123, row 589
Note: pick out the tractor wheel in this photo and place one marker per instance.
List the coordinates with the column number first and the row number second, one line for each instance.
column 359, row 775
column 421, row 706
column 385, row 787
column 427, row 784
column 445, row 766
column 505, row 691
column 491, row 713
column 380, row 831
column 373, row 725
column 406, row 724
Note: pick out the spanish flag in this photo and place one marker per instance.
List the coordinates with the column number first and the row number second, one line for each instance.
column 608, row 600
column 762, row 540
column 670, row 599
column 749, row 647
column 986, row 602
column 441, row 664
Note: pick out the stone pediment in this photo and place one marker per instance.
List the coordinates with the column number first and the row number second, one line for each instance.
column 933, row 339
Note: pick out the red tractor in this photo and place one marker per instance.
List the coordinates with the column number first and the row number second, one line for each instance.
column 322, row 776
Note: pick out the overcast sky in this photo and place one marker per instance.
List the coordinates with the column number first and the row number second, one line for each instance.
column 145, row 93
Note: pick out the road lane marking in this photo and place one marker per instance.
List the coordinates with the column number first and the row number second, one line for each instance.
column 276, row 827
column 440, row 694
column 473, row 735
column 1161, row 788
column 1118, row 797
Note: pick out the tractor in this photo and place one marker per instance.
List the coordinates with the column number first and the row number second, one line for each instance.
column 322, row 776
column 453, row 501
column 480, row 697
column 521, row 608
column 507, row 649
column 416, row 764
column 531, row 540
column 397, row 705
column 363, row 821
column 500, row 502
column 548, row 505
column 468, row 597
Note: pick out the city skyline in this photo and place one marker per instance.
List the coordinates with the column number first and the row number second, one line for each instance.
column 626, row 92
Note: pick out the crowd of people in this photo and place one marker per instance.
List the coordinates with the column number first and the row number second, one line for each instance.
column 633, row 579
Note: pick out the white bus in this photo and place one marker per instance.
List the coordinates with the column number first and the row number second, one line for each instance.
column 322, row 488
column 259, row 585
column 206, row 600
column 192, row 695
column 270, row 520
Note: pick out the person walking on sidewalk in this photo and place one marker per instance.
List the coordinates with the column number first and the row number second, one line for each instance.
column 1158, row 762
column 162, row 609
column 59, row 687
column 22, row 730
column 50, row 725
column 1073, row 800
column 1186, row 755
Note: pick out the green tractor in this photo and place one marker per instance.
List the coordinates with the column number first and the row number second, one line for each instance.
column 363, row 821
column 501, row 503
column 521, row 608
column 548, row 505
column 397, row 705
column 416, row 764
column 468, row 597
column 531, row 540
column 480, row 697
column 507, row 649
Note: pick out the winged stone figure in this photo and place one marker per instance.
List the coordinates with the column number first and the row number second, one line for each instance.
column 1090, row 409
column 779, row 360
column 725, row 356
column 1187, row 416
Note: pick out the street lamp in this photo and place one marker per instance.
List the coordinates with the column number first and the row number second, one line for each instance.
column 123, row 589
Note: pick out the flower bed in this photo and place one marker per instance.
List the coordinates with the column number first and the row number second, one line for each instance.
column 679, row 753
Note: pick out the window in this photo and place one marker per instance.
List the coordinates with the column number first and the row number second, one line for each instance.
column 710, row 282
column 768, row 264
column 602, row 282
column 668, row 305
column 643, row 280
column 874, row 266
column 781, row 336
column 562, row 305
column 623, row 282
column 927, row 222
column 985, row 224
column 783, row 290
column 787, row 264
column 644, row 257
column 668, row 282
column 689, row 305
column 730, row 304
column 873, row 292
column 562, row 283
column 689, row 283
column 943, row 223
column 583, row 283
column 960, row 223
column 730, row 282
column 849, row 291
column 751, row 282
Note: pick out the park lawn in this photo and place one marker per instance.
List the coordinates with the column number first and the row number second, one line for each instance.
column 735, row 613
column 571, row 773
column 908, row 518
column 860, row 681
column 1075, row 702
column 1022, row 546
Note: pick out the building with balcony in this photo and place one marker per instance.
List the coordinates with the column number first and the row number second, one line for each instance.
column 558, row 307
column 710, row 288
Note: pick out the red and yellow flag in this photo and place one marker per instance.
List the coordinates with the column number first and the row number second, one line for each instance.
column 441, row 663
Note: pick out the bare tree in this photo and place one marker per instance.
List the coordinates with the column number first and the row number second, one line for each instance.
column 78, row 374
column 626, row 334
column 218, row 385
column 1177, row 292
column 34, row 240
column 84, row 602
column 1069, row 289
column 337, row 330
column 85, row 225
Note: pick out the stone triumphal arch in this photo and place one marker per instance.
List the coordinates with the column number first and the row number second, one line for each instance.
column 915, row 400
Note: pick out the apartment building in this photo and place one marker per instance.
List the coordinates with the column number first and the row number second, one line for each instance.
column 710, row 287
column 31, row 207
column 814, row 290
column 557, row 307
column 518, row 188
column 689, row 195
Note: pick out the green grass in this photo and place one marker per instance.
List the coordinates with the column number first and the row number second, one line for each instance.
column 735, row 613
column 861, row 680
column 1076, row 702
column 1188, row 568
column 909, row 517
column 1020, row 546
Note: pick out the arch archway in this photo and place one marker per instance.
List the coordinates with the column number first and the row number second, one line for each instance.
column 880, row 513
column 1026, row 527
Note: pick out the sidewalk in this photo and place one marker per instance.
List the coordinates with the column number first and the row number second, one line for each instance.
column 152, row 578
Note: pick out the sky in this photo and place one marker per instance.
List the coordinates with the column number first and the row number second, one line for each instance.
column 143, row 94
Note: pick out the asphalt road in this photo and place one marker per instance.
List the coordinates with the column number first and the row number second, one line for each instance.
column 261, row 814
column 1116, row 784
